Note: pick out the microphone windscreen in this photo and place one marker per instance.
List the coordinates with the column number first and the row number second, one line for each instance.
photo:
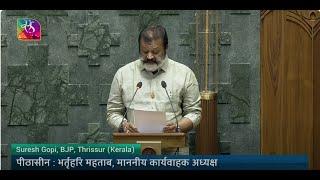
column 139, row 85
column 163, row 84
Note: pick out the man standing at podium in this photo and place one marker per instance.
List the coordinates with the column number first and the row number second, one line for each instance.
column 154, row 69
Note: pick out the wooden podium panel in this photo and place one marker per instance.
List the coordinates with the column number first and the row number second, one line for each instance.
column 168, row 140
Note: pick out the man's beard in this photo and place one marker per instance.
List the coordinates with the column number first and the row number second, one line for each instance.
column 152, row 65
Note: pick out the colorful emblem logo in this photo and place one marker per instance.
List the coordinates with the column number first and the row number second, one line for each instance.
column 28, row 29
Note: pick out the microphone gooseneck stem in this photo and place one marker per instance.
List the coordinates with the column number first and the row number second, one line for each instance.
column 177, row 128
column 133, row 97
column 128, row 108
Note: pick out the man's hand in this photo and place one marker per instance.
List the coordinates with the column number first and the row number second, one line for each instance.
column 129, row 128
column 170, row 128
column 185, row 125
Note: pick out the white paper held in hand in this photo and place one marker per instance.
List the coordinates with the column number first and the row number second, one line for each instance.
column 149, row 121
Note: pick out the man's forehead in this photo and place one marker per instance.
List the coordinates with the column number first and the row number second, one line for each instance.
column 157, row 40
column 154, row 42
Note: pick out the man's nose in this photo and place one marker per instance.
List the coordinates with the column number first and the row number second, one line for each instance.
column 150, row 56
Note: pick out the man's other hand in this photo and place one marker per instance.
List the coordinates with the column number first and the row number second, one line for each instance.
column 185, row 125
column 170, row 128
column 129, row 128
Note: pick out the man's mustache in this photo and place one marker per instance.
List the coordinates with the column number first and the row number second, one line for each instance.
column 150, row 61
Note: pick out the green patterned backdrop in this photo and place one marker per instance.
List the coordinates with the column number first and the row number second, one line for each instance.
column 56, row 90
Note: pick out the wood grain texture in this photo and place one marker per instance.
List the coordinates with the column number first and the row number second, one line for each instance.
column 290, row 83
column 298, row 90
column 207, row 135
column 316, row 94
column 272, row 42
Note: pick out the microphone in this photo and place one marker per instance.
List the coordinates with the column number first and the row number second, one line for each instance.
column 164, row 85
column 139, row 85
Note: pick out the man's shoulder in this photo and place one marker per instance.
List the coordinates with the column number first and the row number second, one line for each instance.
column 127, row 67
column 180, row 66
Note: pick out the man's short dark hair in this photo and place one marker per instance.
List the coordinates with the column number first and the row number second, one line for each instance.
column 152, row 33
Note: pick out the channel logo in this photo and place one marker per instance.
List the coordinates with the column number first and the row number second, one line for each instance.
column 28, row 29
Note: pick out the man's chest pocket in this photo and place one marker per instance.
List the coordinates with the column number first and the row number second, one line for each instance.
column 127, row 94
column 176, row 97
